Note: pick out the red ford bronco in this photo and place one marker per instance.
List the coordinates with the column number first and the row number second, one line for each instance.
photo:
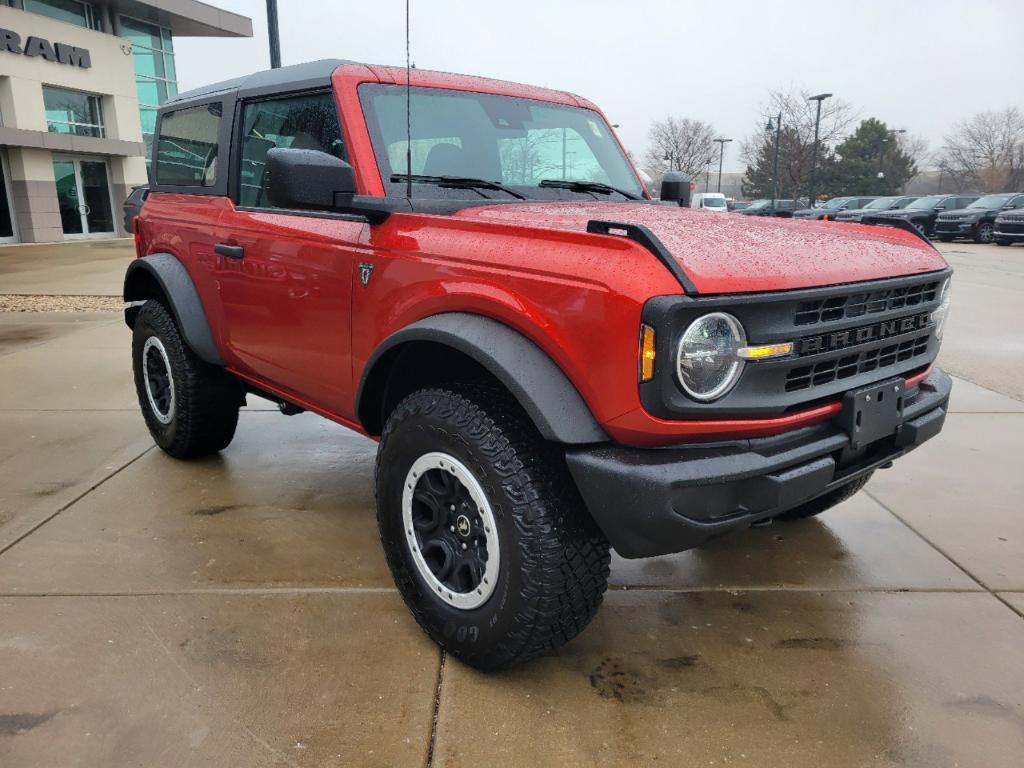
column 472, row 273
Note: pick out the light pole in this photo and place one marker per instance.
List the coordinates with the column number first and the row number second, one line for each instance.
column 273, row 34
column 775, row 163
column 721, row 156
column 814, row 157
column 885, row 146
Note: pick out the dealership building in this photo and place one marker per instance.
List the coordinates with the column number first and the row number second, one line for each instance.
column 80, row 83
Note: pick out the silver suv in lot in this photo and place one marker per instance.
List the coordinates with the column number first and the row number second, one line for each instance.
column 893, row 203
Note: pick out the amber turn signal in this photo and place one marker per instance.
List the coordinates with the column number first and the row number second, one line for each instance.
column 646, row 353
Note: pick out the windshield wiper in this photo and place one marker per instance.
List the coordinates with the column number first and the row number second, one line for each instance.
column 579, row 185
column 457, row 182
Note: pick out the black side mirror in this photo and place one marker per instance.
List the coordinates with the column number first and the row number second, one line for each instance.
column 308, row 178
column 675, row 186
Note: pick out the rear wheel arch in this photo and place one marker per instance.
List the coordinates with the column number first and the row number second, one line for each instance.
column 462, row 347
column 162, row 277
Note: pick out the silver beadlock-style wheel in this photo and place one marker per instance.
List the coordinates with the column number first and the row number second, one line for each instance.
column 156, row 372
column 450, row 530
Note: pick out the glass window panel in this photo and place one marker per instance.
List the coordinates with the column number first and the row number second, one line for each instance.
column 148, row 120
column 72, row 112
column 141, row 33
column 187, row 147
column 70, row 11
column 172, row 89
column 148, row 63
column 148, row 92
column 167, row 41
column 169, row 70
column 303, row 122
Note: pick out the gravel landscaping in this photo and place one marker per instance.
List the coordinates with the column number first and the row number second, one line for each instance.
column 19, row 303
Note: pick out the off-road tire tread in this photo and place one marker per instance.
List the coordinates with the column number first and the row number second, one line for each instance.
column 207, row 397
column 827, row 500
column 564, row 553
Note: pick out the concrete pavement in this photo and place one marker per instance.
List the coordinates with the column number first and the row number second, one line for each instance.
column 238, row 610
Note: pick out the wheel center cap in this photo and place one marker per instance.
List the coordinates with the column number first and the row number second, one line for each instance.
column 462, row 525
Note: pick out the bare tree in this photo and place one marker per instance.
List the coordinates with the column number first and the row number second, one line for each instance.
column 679, row 144
column 797, row 146
column 986, row 152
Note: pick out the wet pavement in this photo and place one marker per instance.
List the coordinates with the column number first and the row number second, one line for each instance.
column 238, row 611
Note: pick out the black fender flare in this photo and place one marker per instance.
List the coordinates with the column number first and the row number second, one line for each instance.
column 543, row 390
column 174, row 281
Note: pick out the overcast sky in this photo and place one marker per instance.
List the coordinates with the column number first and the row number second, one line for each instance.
column 916, row 64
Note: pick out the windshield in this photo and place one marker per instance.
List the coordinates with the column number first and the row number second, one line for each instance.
column 835, row 202
column 512, row 141
column 714, row 202
column 758, row 204
column 991, row 201
column 880, row 204
column 925, row 202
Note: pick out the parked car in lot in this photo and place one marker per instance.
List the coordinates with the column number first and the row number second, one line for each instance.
column 976, row 221
column 783, row 208
column 709, row 201
column 923, row 212
column 737, row 205
column 832, row 207
column 133, row 204
column 553, row 365
column 893, row 203
column 1009, row 227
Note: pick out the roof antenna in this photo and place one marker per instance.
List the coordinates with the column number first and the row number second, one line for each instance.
column 408, row 110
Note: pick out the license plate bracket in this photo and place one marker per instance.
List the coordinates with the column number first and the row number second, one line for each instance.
column 871, row 413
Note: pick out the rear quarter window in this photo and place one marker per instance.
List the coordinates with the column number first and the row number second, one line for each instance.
column 187, row 146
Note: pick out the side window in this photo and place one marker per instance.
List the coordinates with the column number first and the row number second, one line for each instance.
column 298, row 122
column 1017, row 202
column 186, row 152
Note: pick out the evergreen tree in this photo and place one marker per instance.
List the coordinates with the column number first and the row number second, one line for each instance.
column 872, row 162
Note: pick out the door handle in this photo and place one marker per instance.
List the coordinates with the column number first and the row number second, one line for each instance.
column 231, row 251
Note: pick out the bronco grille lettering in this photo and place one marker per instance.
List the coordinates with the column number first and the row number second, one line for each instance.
column 828, row 342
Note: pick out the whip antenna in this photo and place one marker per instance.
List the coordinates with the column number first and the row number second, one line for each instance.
column 408, row 110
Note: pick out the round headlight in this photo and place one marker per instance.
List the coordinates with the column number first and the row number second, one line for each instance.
column 941, row 312
column 708, row 364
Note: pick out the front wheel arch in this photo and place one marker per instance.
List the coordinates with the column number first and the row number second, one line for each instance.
column 466, row 346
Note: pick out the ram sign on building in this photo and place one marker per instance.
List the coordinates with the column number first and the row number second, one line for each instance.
column 79, row 87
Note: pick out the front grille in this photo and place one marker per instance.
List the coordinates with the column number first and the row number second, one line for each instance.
column 866, row 303
column 827, row 371
column 1014, row 226
column 844, row 337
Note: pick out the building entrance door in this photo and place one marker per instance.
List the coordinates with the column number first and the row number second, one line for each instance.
column 7, row 234
column 83, row 196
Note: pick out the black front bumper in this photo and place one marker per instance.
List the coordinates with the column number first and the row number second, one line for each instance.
column 656, row 501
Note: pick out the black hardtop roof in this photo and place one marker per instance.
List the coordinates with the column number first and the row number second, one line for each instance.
column 311, row 74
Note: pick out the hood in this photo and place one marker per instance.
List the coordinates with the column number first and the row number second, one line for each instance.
column 739, row 254
column 967, row 212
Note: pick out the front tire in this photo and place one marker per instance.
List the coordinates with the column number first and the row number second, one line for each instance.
column 826, row 501
column 190, row 406
column 1003, row 241
column 985, row 233
column 484, row 531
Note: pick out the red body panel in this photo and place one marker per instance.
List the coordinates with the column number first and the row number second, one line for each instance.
column 293, row 317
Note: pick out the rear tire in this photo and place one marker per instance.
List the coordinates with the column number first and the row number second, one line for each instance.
column 484, row 531
column 826, row 501
column 190, row 406
column 1003, row 241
